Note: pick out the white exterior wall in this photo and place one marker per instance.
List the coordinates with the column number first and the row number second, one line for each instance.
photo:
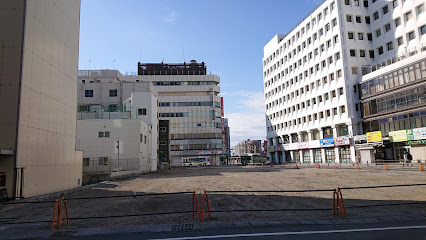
column 134, row 154
column 146, row 100
column 277, row 61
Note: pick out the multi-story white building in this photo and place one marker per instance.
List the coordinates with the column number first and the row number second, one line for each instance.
column 311, row 74
column 187, row 97
column 247, row 147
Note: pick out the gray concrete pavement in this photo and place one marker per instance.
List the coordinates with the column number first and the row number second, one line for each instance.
column 349, row 228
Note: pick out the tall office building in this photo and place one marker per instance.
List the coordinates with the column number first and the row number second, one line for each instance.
column 188, row 98
column 311, row 74
column 38, row 96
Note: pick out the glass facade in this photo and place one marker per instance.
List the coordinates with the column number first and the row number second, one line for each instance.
column 317, row 156
column 396, row 122
column 390, row 80
column 345, row 154
column 306, row 156
column 394, row 101
column 329, row 155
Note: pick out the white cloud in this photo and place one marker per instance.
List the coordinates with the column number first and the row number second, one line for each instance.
column 247, row 118
column 171, row 17
column 245, row 126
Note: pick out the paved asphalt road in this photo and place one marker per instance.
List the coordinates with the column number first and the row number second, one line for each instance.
column 408, row 230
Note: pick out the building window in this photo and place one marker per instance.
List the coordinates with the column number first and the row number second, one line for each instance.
column 352, row 52
column 347, row 2
column 354, row 70
column 422, row 30
column 371, row 53
column 337, row 56
column 341, row 91
column 378, row 32
column 103, row 161
column 369, row 36
column 103, row 134
column 395, row 3
column 376, row 15
column 335, row 111
column 367, row 20
column 339, row 73
column 362, row 53
column 350, row 35
column 342, row 109
column 387, row 27
column 408, row 16
column 400, row 41
column 113, row 92
column 336, row 39
column 360, row 36
column 420, row 9
column 88, row 93
column 334, row 22
column 411, row 36
column 389, row 45
column 380, row 50
column 86, row 162
column 385, row 9
column 348, row 18
column 397, row 22
column 142, row 111
column 358, row 19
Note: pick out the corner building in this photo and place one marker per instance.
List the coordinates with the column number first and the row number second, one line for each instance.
column 311, row 73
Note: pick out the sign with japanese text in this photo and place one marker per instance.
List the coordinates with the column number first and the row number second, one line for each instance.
column 373, row 137
column 340, row 141
column 327, row 142
column 398, row 136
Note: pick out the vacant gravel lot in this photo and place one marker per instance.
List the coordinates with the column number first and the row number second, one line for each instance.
column 237, row 178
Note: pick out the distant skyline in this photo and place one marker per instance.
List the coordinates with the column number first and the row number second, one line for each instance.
column 227, row 35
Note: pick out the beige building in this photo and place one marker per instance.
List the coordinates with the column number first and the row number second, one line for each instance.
column 38, row 96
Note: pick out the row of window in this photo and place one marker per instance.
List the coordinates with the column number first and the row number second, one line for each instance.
column 300, row 91
column 309, row 118
column 395, row 123
column 195, row 136
column 319, row 99
column 112, row 93
column 293, row 54
column 307, row 73
column 384, row 10
column 395, row 101
column 183, row 147
column 301, row 32
column 101, row 161
column 182, row 83
column 188, row 114
column 413, row 72
column 189, row 104
column 195, row 124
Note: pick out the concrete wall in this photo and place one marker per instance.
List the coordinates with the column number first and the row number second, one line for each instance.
column 12, row 20
column 48, row 88
column 133, row 153
column 147, row 100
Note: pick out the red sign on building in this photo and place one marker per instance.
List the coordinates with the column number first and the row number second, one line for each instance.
column 221, row 105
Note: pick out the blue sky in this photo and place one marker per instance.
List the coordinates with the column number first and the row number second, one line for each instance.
column 228, row 35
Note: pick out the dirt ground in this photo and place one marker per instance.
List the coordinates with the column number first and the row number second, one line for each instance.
column 236, row 178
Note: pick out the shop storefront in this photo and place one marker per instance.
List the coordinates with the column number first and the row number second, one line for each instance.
column 343, row 143
column 328, row 145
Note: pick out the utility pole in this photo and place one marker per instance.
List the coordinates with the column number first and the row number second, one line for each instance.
column 117, row 145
